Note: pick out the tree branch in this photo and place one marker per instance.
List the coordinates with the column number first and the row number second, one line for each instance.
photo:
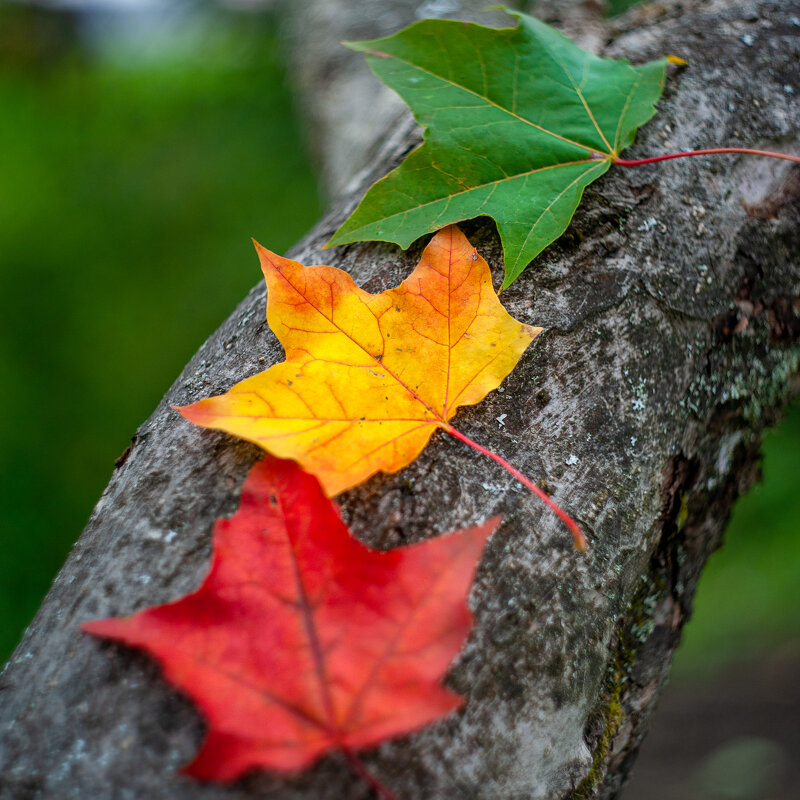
column 671, row 339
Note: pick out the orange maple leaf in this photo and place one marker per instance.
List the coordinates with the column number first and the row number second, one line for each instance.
column 301, row 639
column 368, row 378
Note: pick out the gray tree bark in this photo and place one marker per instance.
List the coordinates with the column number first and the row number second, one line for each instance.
column 672, row 337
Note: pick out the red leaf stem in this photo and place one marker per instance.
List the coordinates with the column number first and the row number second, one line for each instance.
column 710, row 152
column 358, row 766
column 577, row 533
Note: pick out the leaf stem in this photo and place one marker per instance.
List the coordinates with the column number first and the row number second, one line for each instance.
column 577, row 534
column 361, row 770
column 710, row 152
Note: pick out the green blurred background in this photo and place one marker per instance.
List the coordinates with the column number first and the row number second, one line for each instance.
column 139, row 152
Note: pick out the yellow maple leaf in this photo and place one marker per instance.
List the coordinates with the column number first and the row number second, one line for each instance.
column 368, row 377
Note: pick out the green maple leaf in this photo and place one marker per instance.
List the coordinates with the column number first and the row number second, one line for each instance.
column 518, row 122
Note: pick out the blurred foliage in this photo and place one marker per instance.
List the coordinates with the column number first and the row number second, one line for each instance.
column 33, row 39
column 749, row 594
column 745, row 768
column 615, row 7
column 129, row 196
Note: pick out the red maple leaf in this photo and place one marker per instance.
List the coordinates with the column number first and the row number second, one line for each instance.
column 301, row 639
